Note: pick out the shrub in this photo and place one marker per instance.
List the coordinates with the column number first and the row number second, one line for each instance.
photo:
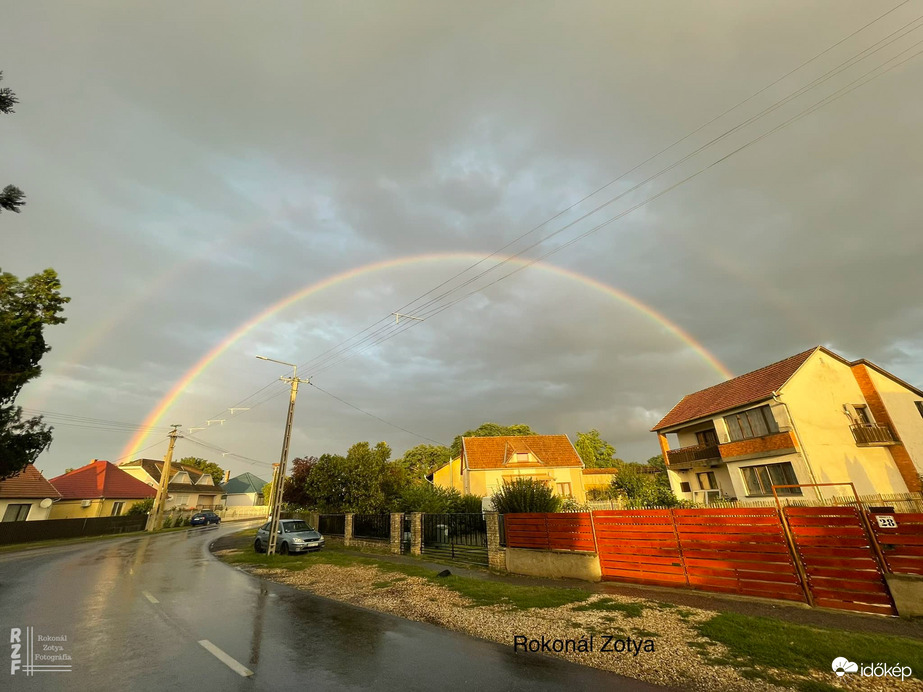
column 468, row 504
column 525, row 495
column 428, row 498
column 167, row 523
column 141, row 507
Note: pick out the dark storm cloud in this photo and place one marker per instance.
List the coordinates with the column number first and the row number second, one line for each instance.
column 188, row 166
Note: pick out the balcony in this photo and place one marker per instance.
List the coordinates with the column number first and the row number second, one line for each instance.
column 695, row 455
column 872, row 434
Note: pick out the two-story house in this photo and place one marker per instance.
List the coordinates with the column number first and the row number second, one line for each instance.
column 188, row 487
column 812, row 418
column 486, row 463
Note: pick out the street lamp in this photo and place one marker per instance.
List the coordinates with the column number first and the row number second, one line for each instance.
column 279, row 476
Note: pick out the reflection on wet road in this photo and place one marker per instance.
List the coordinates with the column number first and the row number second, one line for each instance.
column 140, row 614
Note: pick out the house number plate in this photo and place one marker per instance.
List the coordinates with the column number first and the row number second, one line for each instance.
column 886, row 522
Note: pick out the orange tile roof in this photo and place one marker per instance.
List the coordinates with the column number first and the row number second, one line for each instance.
column 28, row 483
column 496, row 452
column 740, row 391
column 101, row 479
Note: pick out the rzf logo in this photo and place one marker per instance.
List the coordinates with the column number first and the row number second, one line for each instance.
column 15, row 650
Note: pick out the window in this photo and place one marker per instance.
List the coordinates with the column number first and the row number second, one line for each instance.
column 564, row 490
column 16, row 512
column 117, row 508
column 760, row 479
column 707, row 480
column 755, row 422
column 522, row 457
column 684, row 487
column 919, row 406
column 862, row 415
column 707, row 438
column 180, row 500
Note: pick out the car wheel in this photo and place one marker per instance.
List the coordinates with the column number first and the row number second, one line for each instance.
column 284, row 549
column 258, row 545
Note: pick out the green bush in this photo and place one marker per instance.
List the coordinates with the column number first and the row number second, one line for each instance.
column 525, row 495
column 428, row 498
column 468, row 504
column 168, row 522
column 141, row 507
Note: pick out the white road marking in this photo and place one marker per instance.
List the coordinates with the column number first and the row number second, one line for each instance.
column 225, row 659
column 149, row 596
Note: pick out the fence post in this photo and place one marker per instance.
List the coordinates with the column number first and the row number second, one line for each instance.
column 348, row 530
column 416, row 533
column 397, row 531
column 793, row 551
column 496, row 556
column 315, row 520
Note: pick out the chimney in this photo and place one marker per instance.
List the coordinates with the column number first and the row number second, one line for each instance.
column 227, row 476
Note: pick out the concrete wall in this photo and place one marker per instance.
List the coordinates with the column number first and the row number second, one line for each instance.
column 36, row 513
column 815, row 396
column 553, row 564
column 242, row 500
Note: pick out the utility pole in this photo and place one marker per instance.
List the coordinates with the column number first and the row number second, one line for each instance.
column 279, row 475
column 154, row 519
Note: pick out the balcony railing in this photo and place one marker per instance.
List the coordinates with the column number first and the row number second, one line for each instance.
column 872, row 434
column 690, row 455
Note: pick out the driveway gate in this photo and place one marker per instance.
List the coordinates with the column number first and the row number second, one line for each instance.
column 458, row 537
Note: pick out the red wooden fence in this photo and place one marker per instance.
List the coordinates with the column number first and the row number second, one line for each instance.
column 839, row 559
column 639, row 545
column 741, row 550
column 901, row 546
column 567, row 531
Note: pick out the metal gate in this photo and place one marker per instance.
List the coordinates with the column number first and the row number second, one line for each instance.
column 839, row 558
column 457, row 537
column 405, row 534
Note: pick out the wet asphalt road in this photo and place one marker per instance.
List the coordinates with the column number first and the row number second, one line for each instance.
column 134, row 611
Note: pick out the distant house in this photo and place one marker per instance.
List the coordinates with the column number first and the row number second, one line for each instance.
column 99, row 489
column 245, row 490
column 188, row 486
column 487, row 462
column 27, row 496
column 813, row 418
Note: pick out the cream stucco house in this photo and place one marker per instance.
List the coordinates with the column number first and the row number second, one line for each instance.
column 188, row 487
column 27, row 496
column 813, row 418
column 486, row 462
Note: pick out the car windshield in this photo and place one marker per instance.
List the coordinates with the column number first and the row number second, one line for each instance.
column 295, row 526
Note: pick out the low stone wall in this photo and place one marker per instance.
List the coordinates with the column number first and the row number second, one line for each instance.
column 369, row 544
column 553, row 564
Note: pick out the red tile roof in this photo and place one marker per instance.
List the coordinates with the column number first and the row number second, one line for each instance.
column 495, row 452
column 28, row 483
column 101, row 479
column 740, row 391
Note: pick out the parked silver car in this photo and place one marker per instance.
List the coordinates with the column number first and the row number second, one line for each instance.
column 295, row 536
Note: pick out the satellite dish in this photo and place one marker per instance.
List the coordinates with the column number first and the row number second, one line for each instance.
column 46, row 503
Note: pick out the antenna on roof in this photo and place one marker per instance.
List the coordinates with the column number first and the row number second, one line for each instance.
column 217, row 420
column 191, row 429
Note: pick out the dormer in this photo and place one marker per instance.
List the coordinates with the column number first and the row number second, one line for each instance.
column 181, row 476
column 205, row 479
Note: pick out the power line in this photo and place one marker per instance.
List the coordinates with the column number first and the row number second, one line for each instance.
column 342, row 401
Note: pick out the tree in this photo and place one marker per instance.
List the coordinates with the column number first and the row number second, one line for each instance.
column 364, row 481
column 595, row 451
column 640, row 488
column 141, row 507
column 423, row 459
column 295, row 491
column 490, row 430
column 11, row 197
column 26, row 308
column 206, row 466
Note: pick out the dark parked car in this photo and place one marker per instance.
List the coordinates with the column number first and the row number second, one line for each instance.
column 204, row 518
column 295, row 536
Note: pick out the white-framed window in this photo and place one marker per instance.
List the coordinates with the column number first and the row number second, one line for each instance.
column 564, row 490
column 707, row 480
column 117, row 509
column 180, row 500
column 754, row 422
column 522, row 457
column 17, row 512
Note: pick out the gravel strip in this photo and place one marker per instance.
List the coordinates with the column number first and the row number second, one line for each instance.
column 679, row 657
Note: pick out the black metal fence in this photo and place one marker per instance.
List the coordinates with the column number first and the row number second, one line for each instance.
column 372, row 526
column 459, row 537
column 332, row 524
column 502, row 523
column 43, row 530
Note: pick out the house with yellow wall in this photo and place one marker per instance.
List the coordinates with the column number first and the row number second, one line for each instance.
column 99, row 489
column 814, row 418
column 485, row 463
column 187, row 488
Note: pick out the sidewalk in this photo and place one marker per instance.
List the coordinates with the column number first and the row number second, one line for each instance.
column 796, row 613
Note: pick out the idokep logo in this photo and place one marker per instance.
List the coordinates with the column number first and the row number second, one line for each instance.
column 841, row 666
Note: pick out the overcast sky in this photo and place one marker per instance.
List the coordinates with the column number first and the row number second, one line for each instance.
column 188, row 165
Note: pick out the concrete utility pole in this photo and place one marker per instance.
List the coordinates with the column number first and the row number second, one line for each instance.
column 279, row 475
column 154, row 519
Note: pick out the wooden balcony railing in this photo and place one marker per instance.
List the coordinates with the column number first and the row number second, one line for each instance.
column 872, row 434
column 690, row 455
